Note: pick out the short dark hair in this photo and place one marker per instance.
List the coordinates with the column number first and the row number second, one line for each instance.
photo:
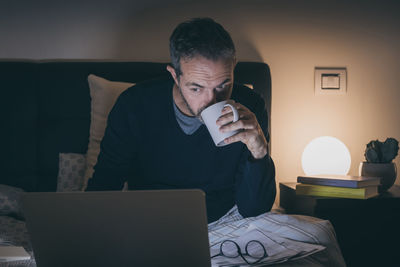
column 200, row 36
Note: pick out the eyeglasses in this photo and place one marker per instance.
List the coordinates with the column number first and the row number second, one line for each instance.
column 253, row 249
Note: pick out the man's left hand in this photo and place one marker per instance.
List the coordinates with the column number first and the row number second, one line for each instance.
column 250, row 132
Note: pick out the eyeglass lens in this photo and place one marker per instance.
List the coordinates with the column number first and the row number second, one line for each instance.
column 256, row 250
column 230, row 249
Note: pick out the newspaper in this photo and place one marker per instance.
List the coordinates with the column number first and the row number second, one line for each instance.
column 234, row 227
column 278, row 249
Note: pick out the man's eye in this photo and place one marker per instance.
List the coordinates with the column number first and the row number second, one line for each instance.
column 221, row 89
column 196, row 90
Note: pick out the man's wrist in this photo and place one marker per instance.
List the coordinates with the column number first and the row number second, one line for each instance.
column 259, row 156
column 260, row 153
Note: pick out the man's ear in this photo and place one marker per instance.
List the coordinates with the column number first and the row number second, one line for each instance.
column 171, row 70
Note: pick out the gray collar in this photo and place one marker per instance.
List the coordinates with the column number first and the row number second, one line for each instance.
column 188, row 124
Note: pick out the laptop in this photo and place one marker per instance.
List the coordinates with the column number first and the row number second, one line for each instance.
column 117, row 228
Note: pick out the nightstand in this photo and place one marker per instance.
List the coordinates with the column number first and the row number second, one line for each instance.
column 368, row 231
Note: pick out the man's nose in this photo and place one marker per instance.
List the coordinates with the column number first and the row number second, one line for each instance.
column 212, row 97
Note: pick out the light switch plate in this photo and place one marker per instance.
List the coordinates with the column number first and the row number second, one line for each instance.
column 330, row 81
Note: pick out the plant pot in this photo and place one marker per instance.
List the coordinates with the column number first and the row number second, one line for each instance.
column 387, row 172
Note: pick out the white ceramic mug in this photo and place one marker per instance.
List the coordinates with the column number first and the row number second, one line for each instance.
column 210, row 116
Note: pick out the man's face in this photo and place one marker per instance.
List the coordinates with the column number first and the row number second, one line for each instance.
column 202, row 83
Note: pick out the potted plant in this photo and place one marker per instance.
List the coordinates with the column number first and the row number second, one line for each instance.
column 379, row 157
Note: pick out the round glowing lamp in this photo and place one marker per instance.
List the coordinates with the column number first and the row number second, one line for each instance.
column 326, row 155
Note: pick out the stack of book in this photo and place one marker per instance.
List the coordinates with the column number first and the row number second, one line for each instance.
column 12, row 253
column 360, row 187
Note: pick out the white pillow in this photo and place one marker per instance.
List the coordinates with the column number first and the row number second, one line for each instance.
column 104, row 93
column 10, row 200
column 71, row 168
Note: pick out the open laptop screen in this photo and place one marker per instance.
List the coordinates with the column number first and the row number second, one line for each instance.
column 114, row 228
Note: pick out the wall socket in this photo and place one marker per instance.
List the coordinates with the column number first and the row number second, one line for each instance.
column 330, row 81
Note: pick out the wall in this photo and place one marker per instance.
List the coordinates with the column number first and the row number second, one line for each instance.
column 291, row 36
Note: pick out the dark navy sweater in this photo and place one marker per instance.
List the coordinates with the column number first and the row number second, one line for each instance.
column 144, row 145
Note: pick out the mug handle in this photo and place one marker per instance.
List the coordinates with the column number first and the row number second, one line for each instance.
column 235, row 112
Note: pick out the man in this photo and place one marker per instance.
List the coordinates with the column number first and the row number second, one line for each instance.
column 155, row 138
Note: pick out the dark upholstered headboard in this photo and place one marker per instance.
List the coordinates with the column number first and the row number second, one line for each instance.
column 47, row 111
